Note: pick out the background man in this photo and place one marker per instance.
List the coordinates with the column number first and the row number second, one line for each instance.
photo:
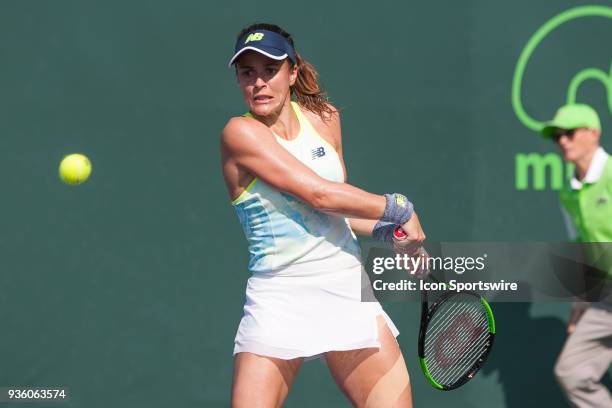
column 587, row 208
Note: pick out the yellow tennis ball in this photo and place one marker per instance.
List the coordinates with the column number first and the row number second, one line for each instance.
column 75, row 169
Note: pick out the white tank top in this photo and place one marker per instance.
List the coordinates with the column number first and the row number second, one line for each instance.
column 285, row 235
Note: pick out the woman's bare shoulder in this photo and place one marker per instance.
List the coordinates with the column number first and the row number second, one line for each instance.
column 327, row 126
column 240, row 123
column 240, row 130
column 327, row 119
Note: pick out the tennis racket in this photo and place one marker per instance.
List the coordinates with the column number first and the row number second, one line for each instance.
column 456, row 335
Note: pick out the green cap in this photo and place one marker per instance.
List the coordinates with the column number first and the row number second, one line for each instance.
column 572, row 116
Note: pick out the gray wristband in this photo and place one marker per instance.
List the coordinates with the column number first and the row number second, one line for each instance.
column 383, row 231
column 398, row 209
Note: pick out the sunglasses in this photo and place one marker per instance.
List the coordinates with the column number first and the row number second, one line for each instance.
column 558, row 133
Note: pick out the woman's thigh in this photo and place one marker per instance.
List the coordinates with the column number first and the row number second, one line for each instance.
column 373, row 378
column 262, row 381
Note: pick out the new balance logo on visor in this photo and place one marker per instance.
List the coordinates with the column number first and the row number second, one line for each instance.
column 318, row 152
column 254, row 37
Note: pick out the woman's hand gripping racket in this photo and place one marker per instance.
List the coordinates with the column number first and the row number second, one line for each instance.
column 456, row 333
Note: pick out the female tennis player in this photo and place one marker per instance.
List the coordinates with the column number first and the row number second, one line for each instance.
column 282, row 163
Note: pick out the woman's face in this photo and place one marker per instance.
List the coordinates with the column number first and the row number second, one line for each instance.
column 264, row 82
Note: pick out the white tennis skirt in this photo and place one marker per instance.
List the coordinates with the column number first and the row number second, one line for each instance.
column 305, row 316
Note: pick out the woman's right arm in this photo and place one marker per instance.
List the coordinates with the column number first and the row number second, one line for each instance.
column 251, row 146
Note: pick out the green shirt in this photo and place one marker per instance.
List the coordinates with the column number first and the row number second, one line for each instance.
column 589, row 204
column 589, row 207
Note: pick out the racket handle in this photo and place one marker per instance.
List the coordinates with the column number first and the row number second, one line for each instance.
column 399, row 233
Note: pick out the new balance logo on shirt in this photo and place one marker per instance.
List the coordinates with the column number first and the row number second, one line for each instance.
column 318, row 152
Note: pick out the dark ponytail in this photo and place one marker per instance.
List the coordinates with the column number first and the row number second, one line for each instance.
column 306, row 90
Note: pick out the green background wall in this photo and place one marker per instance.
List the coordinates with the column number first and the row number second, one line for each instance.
column 129, row 288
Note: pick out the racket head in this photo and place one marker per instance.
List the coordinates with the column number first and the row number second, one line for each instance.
column 455, row 338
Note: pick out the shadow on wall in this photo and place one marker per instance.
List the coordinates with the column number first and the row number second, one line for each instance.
column 524, row 356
